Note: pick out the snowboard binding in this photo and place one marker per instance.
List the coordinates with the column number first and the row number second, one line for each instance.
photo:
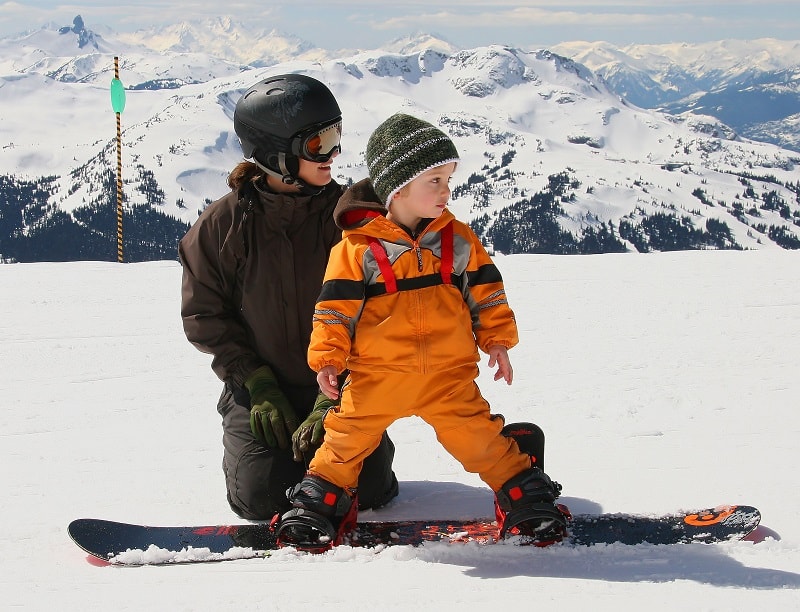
column 322, row 515
column 304, row 530
column 540, row 524
column 530, row 440
column 525, row 507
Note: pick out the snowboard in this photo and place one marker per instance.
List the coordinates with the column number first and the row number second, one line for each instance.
column 130, row 544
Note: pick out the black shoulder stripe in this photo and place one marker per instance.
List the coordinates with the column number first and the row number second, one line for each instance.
column 341, row 289
column 487, row 273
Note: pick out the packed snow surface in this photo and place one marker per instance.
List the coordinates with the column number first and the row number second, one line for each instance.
column 663, row 381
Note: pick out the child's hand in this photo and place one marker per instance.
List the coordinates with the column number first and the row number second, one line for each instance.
column 328, row 382
column 498, row 355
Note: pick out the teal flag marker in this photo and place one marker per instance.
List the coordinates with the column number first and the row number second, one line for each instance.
column 118, row 104
column 117, row 95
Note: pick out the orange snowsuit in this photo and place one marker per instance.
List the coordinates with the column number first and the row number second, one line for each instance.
column 406, row 317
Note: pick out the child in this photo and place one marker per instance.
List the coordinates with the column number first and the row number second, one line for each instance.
column 409, row 296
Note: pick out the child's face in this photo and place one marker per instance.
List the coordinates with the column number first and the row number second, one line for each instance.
column 425, row 197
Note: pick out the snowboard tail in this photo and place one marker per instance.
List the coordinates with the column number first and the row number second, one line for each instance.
column 130, row 544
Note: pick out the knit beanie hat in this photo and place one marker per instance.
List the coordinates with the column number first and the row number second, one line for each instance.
column 403, row 147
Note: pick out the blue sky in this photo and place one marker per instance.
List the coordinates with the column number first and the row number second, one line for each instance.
column 336, row 24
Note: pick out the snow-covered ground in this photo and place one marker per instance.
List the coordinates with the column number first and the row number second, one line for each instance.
column 664, row 382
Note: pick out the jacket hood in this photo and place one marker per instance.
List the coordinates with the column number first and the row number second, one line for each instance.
column 358, row 205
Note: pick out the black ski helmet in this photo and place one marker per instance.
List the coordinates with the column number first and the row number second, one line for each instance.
column 272, row 114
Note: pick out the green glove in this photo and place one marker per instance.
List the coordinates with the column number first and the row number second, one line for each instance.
column 272, row 419
column 310, row 433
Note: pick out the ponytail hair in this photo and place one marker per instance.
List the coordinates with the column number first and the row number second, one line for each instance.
column 243, row 173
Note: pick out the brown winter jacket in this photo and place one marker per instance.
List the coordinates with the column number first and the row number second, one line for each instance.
column 428, row 325
column 253, row 265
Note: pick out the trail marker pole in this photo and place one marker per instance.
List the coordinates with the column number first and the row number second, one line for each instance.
column 118, row 105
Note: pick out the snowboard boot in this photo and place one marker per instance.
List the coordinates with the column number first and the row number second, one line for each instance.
column 525, row 506
column 529, row 438
column 322, row 514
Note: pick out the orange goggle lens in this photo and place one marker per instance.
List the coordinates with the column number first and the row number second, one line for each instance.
column 320, row 146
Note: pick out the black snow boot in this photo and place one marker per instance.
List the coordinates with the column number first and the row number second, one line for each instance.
column 322, row 514
column 525, row 506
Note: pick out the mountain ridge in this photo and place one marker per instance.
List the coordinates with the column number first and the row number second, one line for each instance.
column 752, row 85
column 546, row 144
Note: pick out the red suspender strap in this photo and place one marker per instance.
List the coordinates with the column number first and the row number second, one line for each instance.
column 446, row 237
column 384, row 265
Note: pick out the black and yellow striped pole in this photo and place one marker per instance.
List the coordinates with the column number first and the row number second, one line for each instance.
column 118, row 104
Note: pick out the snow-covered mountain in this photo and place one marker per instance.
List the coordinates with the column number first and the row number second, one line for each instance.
column 163, row 57
column 553, row 159
column 63, row 54
column 751, row 85
column 235, row 42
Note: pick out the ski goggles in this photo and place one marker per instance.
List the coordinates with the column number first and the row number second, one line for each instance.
column 318, row 144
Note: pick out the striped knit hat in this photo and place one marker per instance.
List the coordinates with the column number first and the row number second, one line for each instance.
column 403, row 147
